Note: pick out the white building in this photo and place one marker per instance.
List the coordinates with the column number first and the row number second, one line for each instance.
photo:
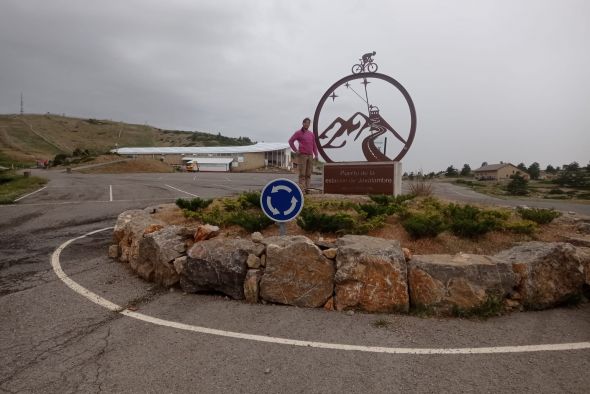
column 235, row 158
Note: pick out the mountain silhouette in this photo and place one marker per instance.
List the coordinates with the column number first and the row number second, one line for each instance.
column 358, row 123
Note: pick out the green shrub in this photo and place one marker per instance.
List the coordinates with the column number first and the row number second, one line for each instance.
column 372, row 210
column 538, row 215
column 311, row 219
column 383, row 199
column 420, row 225
column 471, row 222
column 231, row 204
column 365, row 226
column 59, row 159
column 195, row 204
column 518, row 186
column 215, row 216
column 583, row 196
column 250, row 221
column 250, row 199
column 527, row 227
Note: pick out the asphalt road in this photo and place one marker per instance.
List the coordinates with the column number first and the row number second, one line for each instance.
column 54, row 340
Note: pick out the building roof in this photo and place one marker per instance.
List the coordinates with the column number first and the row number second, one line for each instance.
column 210, row 160
column 192, row 150
column 495, row 167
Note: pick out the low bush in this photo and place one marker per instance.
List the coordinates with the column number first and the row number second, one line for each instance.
column 311, row 219
column 215, row 216
column 471, row 222
column 195, row 204
column 583, row 196
column 538, row 215
column 420, row 225
column 250, row 199
column 372, row 210
column 365, row 226
column 383, row 199
column 527, row 227
column 250, row 221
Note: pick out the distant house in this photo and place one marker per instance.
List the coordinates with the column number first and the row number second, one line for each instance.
column 498, row 172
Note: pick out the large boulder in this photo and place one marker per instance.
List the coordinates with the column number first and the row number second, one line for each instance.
column 129, row 230
column 297, row 273
column 370, row 275
column 443, row 283
column 548, row 274
column 157, row 252
column 217, row 265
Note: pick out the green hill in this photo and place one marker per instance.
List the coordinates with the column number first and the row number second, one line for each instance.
column 25, row 139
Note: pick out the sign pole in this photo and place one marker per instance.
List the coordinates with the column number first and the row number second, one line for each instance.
column 282, row 229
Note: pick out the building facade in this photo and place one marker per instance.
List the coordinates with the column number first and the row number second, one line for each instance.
column 243, row 158
column 497, row 172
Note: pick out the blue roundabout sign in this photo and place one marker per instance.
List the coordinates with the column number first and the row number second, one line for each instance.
column 281, row 200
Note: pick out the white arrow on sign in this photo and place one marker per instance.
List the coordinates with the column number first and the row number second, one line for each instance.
column 281, row 187
column 294, row 202
column 272, row 209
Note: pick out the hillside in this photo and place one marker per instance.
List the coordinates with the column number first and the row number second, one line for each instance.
column 25, row 139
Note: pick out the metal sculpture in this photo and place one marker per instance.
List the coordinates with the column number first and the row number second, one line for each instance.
column 370, row 123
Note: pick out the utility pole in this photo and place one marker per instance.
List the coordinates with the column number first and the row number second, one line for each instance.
column 22, row 106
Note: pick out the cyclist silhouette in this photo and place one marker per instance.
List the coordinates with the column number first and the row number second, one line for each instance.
column 368, row 58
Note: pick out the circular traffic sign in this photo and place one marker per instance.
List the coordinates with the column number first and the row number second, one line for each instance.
column 281, row 200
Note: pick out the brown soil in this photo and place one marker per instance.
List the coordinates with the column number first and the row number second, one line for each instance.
column 445, row 243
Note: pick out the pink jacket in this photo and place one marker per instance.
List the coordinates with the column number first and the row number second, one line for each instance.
column 306, row 141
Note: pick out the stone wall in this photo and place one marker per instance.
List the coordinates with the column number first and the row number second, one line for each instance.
column 354, row 273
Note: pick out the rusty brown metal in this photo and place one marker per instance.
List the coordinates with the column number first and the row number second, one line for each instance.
column 371, row 123
column 359, row 178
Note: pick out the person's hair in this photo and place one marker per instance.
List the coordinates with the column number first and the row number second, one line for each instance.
column 307, row 120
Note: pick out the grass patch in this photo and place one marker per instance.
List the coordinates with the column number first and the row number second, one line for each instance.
column 13, row 186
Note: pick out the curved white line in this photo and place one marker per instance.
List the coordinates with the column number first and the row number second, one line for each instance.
column 55, row 263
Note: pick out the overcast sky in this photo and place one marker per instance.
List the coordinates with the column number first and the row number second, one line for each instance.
column 491, row 80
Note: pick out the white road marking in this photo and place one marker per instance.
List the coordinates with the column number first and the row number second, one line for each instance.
column 30, row 194
column 84, row 202
column 111, row 192
column 190, row 194
column 55, row 263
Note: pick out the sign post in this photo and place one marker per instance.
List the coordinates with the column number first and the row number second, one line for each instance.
column 281, row 200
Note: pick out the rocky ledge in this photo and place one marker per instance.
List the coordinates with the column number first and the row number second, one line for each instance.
column 355, row 273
